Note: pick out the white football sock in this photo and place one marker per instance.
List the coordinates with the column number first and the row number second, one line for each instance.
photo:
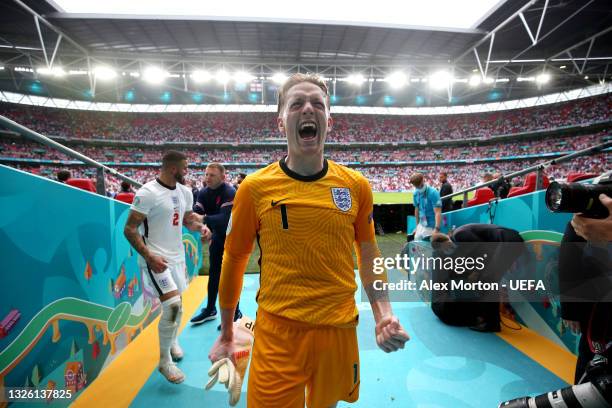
column 167, row 328
column 175, row 349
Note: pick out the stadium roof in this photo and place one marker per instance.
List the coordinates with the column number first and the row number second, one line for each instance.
column 432, row 14
column 508, row 47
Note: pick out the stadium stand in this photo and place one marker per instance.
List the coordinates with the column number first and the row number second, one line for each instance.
column 261, row 127
column 503, row 141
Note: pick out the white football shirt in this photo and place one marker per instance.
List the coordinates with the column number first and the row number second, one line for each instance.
column 163, row 228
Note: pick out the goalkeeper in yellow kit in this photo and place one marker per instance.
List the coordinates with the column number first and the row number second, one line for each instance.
column 306, row 213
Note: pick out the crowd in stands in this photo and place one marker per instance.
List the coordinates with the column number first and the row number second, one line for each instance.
column 397, row 178
column 32, row 150
column 258, row 127
column 382, row 178
column 238, row 128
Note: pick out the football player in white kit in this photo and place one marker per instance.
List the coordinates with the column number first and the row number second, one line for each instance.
column 154, row 228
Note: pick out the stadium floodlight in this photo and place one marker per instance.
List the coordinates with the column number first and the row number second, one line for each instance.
column 104, row 73
column 440, row 80
column 222, row 76
column 543, row 78
column 154, row 75
column 488, row 80
column 397, row 80
column 475, row 80
column 525, row 79
column 355, row 79
column 200, row 76
column 55, row 71
column 243, row 77
column 279, row 78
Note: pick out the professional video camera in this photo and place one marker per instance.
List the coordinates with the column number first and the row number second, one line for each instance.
column 579, row 197
column 596, row 393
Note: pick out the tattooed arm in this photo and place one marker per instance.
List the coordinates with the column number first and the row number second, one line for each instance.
column 157, row 263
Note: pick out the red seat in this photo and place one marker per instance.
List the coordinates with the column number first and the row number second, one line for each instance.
column 573, row 177
column 529, row 186
column 125, row 197
column 482, row 196
column 83, row 184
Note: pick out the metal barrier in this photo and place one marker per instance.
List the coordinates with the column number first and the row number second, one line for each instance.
column 539, row 168
column 37, row 137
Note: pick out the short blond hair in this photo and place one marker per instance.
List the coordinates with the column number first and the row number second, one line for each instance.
column 217, row 166
column 298, row 79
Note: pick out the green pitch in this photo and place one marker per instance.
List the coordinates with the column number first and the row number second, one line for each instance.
column 404, row 198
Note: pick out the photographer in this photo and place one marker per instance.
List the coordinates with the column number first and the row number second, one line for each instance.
column 584, row 263
column 585, row 283
column 594, row 229
column 501, row 247
column 584, row 270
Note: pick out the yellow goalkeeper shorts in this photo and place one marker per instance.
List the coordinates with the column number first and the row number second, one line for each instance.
column 291, row 357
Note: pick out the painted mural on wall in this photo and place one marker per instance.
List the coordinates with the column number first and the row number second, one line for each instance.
column 72, row 295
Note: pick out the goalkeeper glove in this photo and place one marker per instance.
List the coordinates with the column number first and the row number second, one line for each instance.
column 230, row 371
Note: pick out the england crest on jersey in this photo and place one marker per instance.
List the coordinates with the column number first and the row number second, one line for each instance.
column 163, row 282
column 342, row 198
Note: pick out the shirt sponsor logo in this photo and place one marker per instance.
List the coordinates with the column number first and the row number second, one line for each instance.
column 342, row 198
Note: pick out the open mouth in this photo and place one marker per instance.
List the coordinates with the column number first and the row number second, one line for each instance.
column 308, row 130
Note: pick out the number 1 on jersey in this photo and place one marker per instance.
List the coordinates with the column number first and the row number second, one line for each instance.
column 284, row 219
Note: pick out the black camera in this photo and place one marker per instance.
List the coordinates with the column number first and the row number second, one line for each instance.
column 580, row 198
column 596, row 393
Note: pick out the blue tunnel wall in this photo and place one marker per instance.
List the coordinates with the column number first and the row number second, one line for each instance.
column 71, row 296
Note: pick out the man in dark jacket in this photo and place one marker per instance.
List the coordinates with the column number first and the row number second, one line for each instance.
column 215, row 202
column 445, row 189
column 584, row 280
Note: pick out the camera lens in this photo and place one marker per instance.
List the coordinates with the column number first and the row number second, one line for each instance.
column 554, row 197
column 577, row 198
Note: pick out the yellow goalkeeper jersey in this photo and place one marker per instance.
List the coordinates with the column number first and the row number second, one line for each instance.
column 306, row 227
